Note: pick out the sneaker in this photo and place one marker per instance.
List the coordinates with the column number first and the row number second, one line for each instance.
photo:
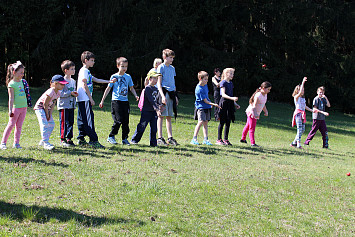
column 134, row 142
column 227, row 142
column 243, row 141
column 64, row 143
column 17, row 146
column 125, row 142
column 220, row 142
column 112, row 140
column 161, row 142
column 3, row 146
column 206, row 142
column 70, row 142
column 293, row 145
column 194, row 142
column 82, row 142
column 96, row 144
column 46, row 145
column 299, row 147
column 254, row 145
column 326, row 146
column 307, row 144
column 172, row 141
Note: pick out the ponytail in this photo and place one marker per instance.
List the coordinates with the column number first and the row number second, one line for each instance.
column 11, row 69
column 265, row 84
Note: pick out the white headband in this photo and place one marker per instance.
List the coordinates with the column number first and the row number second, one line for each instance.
column 16, row 65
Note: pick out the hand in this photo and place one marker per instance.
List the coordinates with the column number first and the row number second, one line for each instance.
column 101, row 105
column 237, row 106
column 48, row 117
column 216, row 105
column 326, row 113
column 11, row 114
column 137, row 98
column 266, row 113
column 158, row 113
column 235, row 99
column 92, row 102
column 163, row 100
column 304, row 79
column 74, row 93
column 161, row 108
column 315, row 110
column 177, row 101
column 113, row 80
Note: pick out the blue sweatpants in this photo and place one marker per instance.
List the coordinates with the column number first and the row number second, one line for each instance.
column 147, row 117
column 86, row 124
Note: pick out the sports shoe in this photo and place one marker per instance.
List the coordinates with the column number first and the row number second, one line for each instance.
column 82, row 142
column 112, row 140
column 299, row 147
column 293, row 144
column 161, row 142
column 17, row 146
column 125, row 142
column 243, row 141
column 172, row 141
column 46, row 145
column 306, row 143
column 206, row 142
column 96, row 144
column 64, row 143
column 227, row 142
column 70, row 142
column 254, row 145
column 194, row 142
column 220, row 142
column 3, row 146
column 134, row 142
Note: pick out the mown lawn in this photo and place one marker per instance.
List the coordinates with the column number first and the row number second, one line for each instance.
column 185, row 190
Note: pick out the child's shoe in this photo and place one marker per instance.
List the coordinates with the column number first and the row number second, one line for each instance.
column 227, row 142
column 134, row 142
column 46, row 145
column 293, row 144
column 243, row 141
column 172, row 141
column 220, row 142
column 161, row 142
column 82, row 142
column 64, row 143
column 17, row 146
column 70, row 142
column 96, row 144
column 125, row 142
column 112, row 140
column 206, row 142
column 254, row 145
column 194, row 142
column 3, row 146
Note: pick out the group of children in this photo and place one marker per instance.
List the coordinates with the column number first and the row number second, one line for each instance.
column 158, row 100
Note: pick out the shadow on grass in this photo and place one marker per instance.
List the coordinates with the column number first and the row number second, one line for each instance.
column 31, row 160
column 45, row 214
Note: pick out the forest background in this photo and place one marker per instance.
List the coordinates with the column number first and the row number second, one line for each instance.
column 274, row 40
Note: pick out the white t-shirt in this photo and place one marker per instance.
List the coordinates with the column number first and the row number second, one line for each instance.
column 84, row 73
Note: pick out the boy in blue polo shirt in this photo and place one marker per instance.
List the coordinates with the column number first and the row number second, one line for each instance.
column 203, row 107
column 120, row 104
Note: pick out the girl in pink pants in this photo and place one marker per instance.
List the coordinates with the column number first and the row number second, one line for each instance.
column 17, row 103
column 256, row 105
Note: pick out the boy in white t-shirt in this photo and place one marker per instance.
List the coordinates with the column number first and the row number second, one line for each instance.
column 85, row 101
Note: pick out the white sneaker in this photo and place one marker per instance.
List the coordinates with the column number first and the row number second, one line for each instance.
column 3, row 146
column 112, row 140
column 41, row 143
column 17, row 146
column 46, row 145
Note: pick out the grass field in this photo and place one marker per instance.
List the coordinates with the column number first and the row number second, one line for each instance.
column 186, row 190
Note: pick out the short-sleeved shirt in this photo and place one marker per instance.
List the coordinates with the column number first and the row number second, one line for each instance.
column 261, row 101
column 20, row 100
column 228, row 87
column 51, row 93
column 300, row 103
column 168, row 76
column 121, row 86
column 320, row 103
column 201, row 93
column 84, row 73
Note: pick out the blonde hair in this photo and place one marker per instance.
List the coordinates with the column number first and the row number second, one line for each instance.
column 296, row 91
column 224, row 73
column 156, row 61
column 201, row 75
column 322, row 88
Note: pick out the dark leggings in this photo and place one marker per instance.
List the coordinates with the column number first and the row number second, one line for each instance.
column 226, row 130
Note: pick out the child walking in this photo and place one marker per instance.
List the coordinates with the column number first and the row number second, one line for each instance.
column 216, row 79
column 318, row 115
column 17, row 103
column 66, row 104
column 299, row 116
column 150, row 109
column 203, row 107
column 44, row 109
column 256, row 105
column 227, row 104
column 120, row 105
column 86, row 125
column 167, row 90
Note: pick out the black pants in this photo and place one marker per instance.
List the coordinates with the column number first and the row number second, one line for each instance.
column 120, row 116
column 66, row 121
column 147, row 117
column 86, row 124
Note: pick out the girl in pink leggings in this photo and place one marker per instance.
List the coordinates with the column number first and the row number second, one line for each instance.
column 17, row 103
column 256, row 105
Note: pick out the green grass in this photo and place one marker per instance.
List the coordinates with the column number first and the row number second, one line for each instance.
column 181, row 191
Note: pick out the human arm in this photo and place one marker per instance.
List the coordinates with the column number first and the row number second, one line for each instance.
column 97, row 80
column 134, row 92
column 87, row 91
column 301, row 89
column 224, row 95
column 160, row 88
column 11, row 101
column 328, row 104
column 47, row 110
column 236, row 105
column 309, row 109
column 107, row 90
column 210, row 103
column 214, row 81
column 266, row 112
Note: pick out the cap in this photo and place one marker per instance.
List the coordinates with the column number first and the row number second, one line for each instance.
column 60, row 79
column 153, row 74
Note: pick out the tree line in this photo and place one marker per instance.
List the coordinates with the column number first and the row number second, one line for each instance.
column 277, row 41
